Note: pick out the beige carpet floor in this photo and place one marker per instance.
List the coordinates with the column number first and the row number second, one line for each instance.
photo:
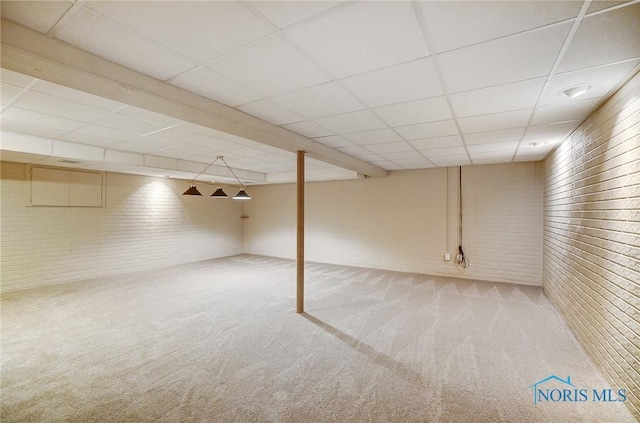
column 219, row 341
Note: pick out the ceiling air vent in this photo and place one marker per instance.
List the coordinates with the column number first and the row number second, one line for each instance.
column 69, row 161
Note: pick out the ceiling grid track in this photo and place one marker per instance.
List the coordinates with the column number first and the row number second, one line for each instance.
column 417, row 7
column 337, row 80
column 572, row 32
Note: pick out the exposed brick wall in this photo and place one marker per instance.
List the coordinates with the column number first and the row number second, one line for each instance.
column 146, row 224
column 408, row 220
column 592, row 236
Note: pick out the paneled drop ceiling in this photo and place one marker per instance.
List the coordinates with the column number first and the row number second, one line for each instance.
column 396, row 85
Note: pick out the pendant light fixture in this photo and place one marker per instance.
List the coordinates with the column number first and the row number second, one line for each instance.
column 193, row 190
column 242, row 194
column 219, row 193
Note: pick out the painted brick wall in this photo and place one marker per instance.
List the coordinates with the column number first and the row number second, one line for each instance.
column 147, row 224
column 408, row 220
column 592, row 236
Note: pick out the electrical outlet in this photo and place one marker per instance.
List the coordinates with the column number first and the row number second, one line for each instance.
column 447, row 256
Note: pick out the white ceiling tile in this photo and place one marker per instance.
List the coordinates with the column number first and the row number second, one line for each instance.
column 552, row 132
column 428, row 130
column 391, row 147
column 604, row 38
column 308, row 128
column 285, row 13
column 454, row 160
column 441, row 142
column 456, row 24
column 39, row 15
column 271, row 66
column 14, row 78
column 492, row 157
column 106, row 133
column 30, row 129
column 604, row 4
column 427, row 110
column 180, row 136
column 127, row 123
column 354, row 150
column 335, row 141
column 402, row 155
column 502, row 98
column 271, row 112
column 202, row 130
column 147, row 148
column 214, row 144
column 346, row 123
column 495, row 121
column 425, row 165
column 88, row 139
column 509, row 146
column 601, row 79
column 536, row 148
column 396, row 84
column 60, row 91
column 530, row 157
column 368, row 157
column 247, row 152
column 414, row 163
column 575, row 111
column 40, row 119
column 515, row 58
column 236, row 140
column 8, row 92
column 88, row 31
column 200, row 30
column 55, row 106
column 494, row 136
column 207, row 83
column 377, row 136
column 319, row 101
column 444, row 151
column 151, row 144
column 149, row 116
column 361, row 37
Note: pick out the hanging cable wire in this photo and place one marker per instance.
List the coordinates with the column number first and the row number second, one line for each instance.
column 231, row 170
column 461, row 259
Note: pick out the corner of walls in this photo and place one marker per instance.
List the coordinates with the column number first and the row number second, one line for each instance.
column 592, row 237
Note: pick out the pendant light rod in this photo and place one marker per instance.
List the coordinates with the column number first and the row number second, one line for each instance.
column 231, row 170
column 208, row 166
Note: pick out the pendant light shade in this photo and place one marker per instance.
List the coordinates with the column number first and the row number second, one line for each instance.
column 242, row 195
column 192, row 191
column 219, row 193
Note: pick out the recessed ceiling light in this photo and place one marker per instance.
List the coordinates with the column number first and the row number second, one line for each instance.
column 574, row 91
column 538, row 143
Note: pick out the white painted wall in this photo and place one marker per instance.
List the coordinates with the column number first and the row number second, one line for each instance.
column 407, row 221
column 146, row 224
column 592, row 237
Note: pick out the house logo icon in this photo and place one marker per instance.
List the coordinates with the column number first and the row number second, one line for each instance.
column 537, row 392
